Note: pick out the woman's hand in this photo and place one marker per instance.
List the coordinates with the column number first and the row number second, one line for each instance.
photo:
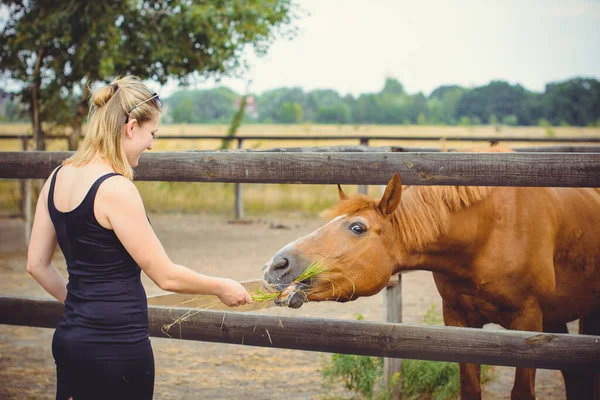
column 233, row 294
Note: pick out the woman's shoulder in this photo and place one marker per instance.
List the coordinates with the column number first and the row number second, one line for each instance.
column 118, row 185
column 118, row 190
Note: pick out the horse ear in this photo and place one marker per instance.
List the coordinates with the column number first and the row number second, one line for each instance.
column 343, row 196
column 391, row 197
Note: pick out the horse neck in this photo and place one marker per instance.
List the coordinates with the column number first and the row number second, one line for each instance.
column 422, row 222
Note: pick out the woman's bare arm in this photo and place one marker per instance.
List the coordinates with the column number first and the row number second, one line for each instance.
column 119, row 200
column 41, row 249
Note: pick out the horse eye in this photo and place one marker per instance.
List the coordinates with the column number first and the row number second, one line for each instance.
column 358, row 228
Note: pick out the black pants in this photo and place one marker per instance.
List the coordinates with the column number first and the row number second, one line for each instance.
column 115, row 371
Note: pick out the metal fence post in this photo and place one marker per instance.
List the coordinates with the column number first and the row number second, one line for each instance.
column 22, row 185
column 364, row 189
column 239, row 201
column 392, row 308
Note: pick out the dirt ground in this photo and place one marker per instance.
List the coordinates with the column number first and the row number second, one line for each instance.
column 198, row 370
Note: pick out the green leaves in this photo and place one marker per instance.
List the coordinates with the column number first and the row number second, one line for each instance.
column 83, row 42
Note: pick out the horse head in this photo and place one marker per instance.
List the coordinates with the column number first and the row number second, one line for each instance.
column 354, row 250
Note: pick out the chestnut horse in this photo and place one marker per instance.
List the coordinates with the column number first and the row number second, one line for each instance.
column 524, row 258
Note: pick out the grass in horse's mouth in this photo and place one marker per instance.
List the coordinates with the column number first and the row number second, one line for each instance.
column 301, row 281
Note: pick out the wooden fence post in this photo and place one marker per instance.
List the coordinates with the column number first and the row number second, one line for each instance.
column 28, row 210
column 239, row 201
column 364, row 189
column 22, row 186
column 392, row 308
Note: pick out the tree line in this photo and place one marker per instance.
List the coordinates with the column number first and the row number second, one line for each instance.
column 55, row 51
column 574, row 102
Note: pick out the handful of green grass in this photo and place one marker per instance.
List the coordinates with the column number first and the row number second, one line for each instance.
column 314, row 269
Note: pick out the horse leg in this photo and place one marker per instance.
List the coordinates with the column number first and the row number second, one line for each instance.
column 590, row 380
column 529, row 319
column 470, row 374
column 573, row 383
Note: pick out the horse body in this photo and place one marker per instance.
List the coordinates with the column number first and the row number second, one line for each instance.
column 523, row 258
column 522, row 251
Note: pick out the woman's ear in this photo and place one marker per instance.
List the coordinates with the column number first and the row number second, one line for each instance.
column 129, row 128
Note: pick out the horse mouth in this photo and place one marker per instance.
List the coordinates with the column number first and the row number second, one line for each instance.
column 293, row 295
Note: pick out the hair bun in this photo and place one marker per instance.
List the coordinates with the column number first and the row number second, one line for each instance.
column 102, row 96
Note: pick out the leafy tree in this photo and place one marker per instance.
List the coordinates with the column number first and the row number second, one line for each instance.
column 443, row 103
column 575, row 101
column 441, row 91
column 270, row 102
column 184, row 111
column 434, row 107
column 326, row 97
column 339, row 113
column 290, row 113
column 392, row 86
column 498, row 97
column 418, row 107
column 310, row 107
column 56, row 49
column 365, row 109
column 394, row 109
column 202, row 106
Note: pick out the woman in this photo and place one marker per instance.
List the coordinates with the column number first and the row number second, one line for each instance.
column 91, row 207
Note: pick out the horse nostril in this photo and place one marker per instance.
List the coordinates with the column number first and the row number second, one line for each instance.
column 280, row 264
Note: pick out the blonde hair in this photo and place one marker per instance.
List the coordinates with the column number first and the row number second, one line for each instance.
column 110, row 108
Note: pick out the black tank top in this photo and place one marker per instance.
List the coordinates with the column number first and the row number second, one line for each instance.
column 106, row 302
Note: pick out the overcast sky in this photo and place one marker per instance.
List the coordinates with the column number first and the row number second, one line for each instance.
column 352, row 45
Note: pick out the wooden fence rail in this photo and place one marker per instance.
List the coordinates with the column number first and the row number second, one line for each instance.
column 478, row 346
column 362, row 139
column 488, row 169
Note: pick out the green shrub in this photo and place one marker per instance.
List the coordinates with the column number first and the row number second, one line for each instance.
column 358, row 373
column 419, row 379
column 431, row 379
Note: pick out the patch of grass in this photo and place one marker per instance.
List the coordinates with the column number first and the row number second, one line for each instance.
column 419, row 379
column 10, row 195
column 358, row 374
column 434, row 379
column 259, row 199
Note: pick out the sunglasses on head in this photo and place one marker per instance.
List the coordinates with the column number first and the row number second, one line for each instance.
column 153, row 97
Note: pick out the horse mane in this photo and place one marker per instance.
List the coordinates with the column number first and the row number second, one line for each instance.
column 424, row 211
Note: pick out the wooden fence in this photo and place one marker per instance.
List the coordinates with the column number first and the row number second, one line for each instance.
column 364, row 142
column 369, row 168
column 523, row 349
column 362, row 139
column 485, row 169
column 478, row 346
